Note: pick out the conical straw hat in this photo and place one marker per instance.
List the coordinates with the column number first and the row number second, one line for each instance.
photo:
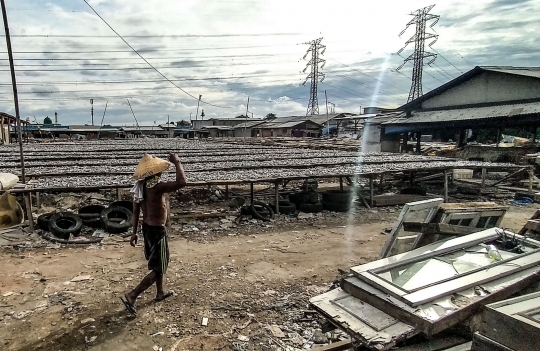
column 149, row 165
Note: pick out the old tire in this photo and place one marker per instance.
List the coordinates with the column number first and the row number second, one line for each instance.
column 304, row 197
column 285, row 207
column 123, row 203
column 337, row 206
column 339, row 196
column 311, row 208
column 64, row 224
column 43, row 221
column 262, row 211
column 91, row 215
column 116, row 220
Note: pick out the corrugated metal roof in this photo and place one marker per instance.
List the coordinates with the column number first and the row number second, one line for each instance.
column 248, row 124
column 290, row 124
column 218, row 127
column 142, row 128
column 465, row 114
column 522, row 71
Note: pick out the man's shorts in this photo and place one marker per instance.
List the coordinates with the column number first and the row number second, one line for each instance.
column 156, row 249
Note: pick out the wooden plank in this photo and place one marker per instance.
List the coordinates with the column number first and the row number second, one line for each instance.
column 516, row 334
column 463, row 347
column 498, row 289
column 533, row 224
column 433, row 292
column 432, row 204
column 356, row 327
column 481, row 343
column 396, row 200
column 436, row 344
column 536, row 215
column 336, row 346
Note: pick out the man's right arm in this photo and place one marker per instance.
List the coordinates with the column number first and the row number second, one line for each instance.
column 180, row 182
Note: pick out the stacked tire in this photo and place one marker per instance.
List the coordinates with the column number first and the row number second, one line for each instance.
column 285, row 207
column 337, row 200
column 306, row 201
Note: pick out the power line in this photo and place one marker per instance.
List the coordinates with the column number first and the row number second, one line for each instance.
column 420, row 19
column 364, row 74
column 145, row 59
column 444, row 58
column 316, row 49
column 152, row 36
column 441, row 71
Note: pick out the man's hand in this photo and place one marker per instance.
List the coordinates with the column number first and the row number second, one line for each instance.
column 133, row 240
column 174, row 158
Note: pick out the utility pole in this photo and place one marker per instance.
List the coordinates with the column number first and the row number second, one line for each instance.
column 245, row 119
column 316, row 49
column 198, row 102
column 15, row 94
column 92, row 110
column 421, row 17
column 326, row 99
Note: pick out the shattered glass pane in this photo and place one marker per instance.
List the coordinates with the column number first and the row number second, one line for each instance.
column 413, row 276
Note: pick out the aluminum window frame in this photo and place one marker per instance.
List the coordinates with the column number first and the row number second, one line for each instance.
column 415, row 297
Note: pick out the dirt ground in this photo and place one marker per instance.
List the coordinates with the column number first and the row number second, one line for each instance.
column 242, row 283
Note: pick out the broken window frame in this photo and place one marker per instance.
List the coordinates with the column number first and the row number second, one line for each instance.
column 368, row 272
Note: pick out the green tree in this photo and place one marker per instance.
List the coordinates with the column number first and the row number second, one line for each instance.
column 270, row 116
column 184, row 123
column 47, row 120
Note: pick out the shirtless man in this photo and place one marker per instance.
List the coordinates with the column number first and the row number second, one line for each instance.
column 149, row 195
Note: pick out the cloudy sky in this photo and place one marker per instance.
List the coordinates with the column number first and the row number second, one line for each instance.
column 227, row 50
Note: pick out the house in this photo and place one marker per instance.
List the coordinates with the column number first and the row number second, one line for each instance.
column 248, row 129
column 289, row 129
column 226, row 122
column 219, row 131
column 140, row 131
column 486, row 97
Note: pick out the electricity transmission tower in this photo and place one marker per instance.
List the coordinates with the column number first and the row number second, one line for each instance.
column 420, row 19
column 316, row 49
column 332, row 107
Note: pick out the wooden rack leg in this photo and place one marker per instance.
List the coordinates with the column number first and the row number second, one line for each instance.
column 445, row 185
column 341, row 183
column 276, row 201
column 38, row 200
column 484, row 171
column 28, row 204
column 531, row 180
column 252, row 193
column 381, row 184
column 371, row 190
column 226, row 192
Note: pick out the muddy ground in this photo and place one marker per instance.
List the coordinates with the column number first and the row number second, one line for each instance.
column 243, row 279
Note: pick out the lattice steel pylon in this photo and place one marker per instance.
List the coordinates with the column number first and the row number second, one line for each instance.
column 421, row 17
column 316, row 49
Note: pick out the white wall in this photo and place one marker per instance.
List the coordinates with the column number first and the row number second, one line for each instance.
column 485, row 88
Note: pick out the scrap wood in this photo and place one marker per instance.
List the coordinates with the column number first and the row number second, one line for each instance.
column 63, row 241
column 336, row 346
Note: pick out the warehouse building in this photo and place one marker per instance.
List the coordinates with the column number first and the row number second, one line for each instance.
column 491, row 98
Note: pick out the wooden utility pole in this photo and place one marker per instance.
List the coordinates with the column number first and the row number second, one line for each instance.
column 327, row 125
column 198, row 102
column 14, row 83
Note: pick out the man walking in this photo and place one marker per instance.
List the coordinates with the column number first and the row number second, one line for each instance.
column 149, row 195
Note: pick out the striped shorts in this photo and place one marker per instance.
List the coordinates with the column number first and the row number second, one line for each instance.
column 156, row 249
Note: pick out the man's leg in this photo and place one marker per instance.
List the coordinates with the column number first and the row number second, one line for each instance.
column 161, row 294
column 150, row 279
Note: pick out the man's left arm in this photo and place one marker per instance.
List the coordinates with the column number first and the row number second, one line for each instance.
column 136, row 213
